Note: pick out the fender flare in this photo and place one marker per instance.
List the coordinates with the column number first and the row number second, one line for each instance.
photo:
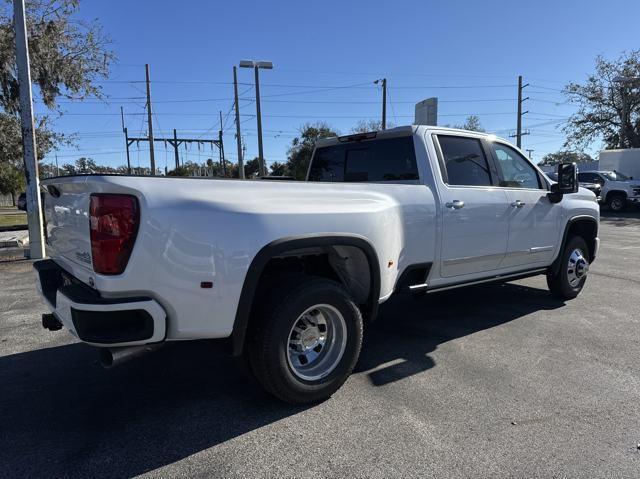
column 280, row 246
column 555, row 266
column 611, row 193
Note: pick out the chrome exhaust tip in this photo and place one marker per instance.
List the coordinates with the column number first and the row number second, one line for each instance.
column 111, row 357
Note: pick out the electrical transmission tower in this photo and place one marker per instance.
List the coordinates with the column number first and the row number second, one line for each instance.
column 175, row 142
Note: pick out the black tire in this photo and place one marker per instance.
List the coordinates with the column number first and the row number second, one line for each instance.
column 617, row 202
column 267, row 346
column 558, row 283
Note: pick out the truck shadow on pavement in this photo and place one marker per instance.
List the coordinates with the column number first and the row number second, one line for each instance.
column 631, row 217
column 61, row 414
column 408, row 329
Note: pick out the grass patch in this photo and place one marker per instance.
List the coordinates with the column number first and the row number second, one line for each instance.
column 13, row 219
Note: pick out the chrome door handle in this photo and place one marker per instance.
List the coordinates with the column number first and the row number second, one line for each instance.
column 518, row 204
column 455, row 204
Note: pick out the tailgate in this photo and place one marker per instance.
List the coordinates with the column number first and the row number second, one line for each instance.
column 66, row 213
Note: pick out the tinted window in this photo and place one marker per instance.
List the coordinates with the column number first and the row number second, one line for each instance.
column 328, row 164
column 391, row 159
column 589, row 178
column 464, row 161
column 513, row 170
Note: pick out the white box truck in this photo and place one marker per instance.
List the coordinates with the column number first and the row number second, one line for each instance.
column 625, row 161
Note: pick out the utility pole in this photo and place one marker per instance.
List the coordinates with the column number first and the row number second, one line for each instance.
column 175, row 148
column 221, row 149
column 530, row 151
column 383, row 81
column 126, row 140
column 238, row 137
column 57, row 167
column 520, row 112
column 150, row 121
column 260, row 154
column 30, row 157
column 384, row 103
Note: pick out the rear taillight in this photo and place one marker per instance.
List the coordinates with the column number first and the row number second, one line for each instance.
column 114, row 225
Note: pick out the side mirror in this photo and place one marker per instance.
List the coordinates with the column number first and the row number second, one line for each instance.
column 567, row 182
column 567, row 178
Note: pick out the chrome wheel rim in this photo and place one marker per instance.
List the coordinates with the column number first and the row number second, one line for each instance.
column 577, row 267
column 316, row 342
column 616, row 204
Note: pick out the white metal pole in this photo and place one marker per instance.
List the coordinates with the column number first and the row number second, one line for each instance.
column 34, row 208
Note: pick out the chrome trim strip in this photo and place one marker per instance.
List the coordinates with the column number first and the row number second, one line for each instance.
column 540, row 249
column 418, row 287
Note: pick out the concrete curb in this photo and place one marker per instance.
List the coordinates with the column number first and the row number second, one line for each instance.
column 10, row 254
column 13, row 228
column 14, row 239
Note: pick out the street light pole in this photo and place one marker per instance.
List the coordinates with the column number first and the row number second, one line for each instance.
column 256, row 65
column 30, row 157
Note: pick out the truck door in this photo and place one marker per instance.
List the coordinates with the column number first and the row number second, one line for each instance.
column 534, row 222
column 475, row 213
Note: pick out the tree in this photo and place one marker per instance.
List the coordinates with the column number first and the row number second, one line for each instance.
column 11, row 163
column 278, row 169
column 564, row 156
column 608, row 104
column 188, row 168
column 365, row 126
column 11, row 180
column 67, row 57
column 472, row 123
column 252, row 168
column 301, row 148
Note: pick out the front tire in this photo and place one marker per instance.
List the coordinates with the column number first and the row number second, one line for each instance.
column 305, row 341
column 572, row 273
column 617, row 203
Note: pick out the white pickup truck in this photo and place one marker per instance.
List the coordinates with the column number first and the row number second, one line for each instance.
column 617, row 190
column 288, row 271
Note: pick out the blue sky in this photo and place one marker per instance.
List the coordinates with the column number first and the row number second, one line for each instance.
column 467, row 53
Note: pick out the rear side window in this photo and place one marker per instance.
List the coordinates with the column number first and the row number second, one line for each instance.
column 464, row 161
column 392, row 159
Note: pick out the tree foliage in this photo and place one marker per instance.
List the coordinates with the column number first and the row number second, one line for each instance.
column 11, row 179
column 252, row 168
column 301, row 149
column 472, row 123
column 365, row 126
column 608, row 104
column 67, row 57
column 564, row 156
column 278, row 169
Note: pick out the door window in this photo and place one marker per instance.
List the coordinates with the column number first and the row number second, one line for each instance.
column 513, row 170
column 465, row 163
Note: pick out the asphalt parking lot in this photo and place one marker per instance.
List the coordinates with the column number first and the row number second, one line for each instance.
column 495, row 381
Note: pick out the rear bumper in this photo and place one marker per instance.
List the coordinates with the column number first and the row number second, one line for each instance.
column 96, row 320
